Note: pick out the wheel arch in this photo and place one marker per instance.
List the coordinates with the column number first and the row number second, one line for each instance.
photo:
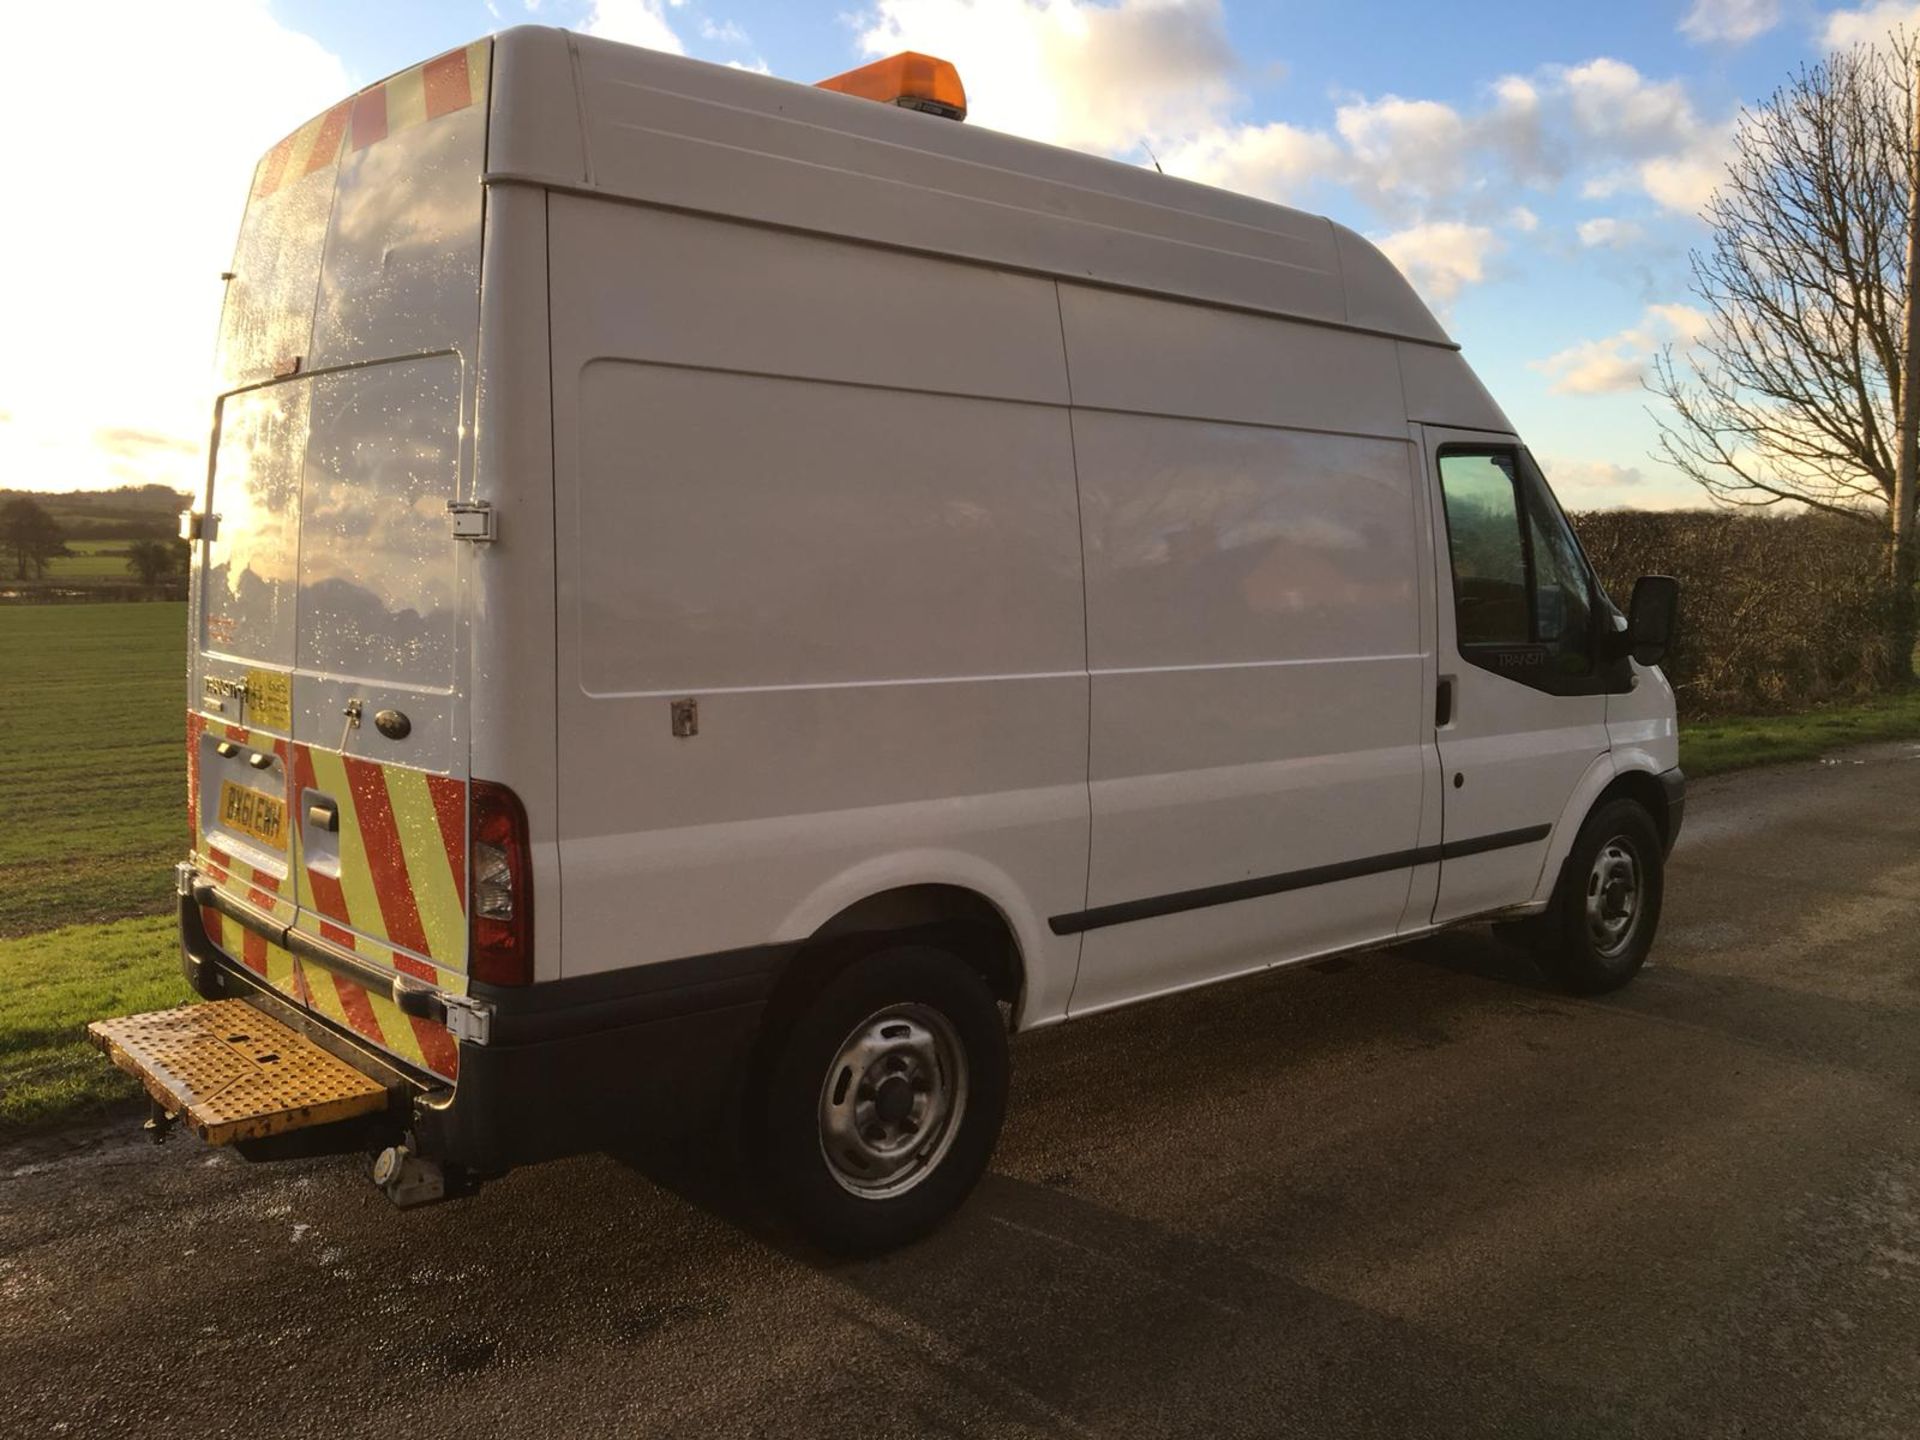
column 951, row 917
column 1601, row 785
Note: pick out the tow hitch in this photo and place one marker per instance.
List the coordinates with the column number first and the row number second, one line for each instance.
column 407, row 1179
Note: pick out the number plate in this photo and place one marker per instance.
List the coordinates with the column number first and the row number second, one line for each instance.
column 264, row 817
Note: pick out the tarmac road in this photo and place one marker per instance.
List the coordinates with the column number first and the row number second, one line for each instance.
column 1414, row 1193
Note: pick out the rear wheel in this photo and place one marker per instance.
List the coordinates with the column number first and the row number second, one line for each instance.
column 884, row 1099
column 1606, row 908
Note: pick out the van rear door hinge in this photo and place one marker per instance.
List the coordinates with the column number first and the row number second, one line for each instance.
column 472, row 520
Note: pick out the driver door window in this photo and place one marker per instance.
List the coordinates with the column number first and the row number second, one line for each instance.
column 1522, row 592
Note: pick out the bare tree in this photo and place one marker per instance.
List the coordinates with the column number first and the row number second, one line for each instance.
column 1797, row 393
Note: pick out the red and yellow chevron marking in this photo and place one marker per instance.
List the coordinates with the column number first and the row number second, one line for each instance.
column 270, row 962
column 443, row 85
column 398, row 897
column 403, row 859
column 371, row 1014
column 400, row 887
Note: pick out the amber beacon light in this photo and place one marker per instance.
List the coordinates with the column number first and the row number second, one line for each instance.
column 918, row 82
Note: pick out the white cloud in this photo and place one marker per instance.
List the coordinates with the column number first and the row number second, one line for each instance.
column 1619, row 362
column 1621, row 112
column 634, row 22
column 112, row 297
column 1118, row 77
column 1442, row 257
column 1275, row 162
column 1684, row 324
column 1866, row 24
column 1410, row 146
column 723, row 32
column 1602, row 122
column 1684, row 182
column 1596, row 484
column 1103, row 77
column 1607, row 233
column 1731, row 22
column 1587, row 475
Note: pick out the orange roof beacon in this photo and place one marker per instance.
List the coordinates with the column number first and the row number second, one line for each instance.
column 909, row 79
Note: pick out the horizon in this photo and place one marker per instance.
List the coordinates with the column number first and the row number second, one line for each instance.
column 1537, row 177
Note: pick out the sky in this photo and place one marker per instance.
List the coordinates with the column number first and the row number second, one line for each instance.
column 1537, row 169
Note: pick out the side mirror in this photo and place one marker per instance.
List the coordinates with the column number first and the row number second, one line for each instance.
column 1651, row 617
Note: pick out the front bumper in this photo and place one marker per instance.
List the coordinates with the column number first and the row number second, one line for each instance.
column 1675, row 785
column 650, row 1053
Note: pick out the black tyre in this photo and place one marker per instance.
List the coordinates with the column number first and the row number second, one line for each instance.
column 1596, row 934
column 884, row 1099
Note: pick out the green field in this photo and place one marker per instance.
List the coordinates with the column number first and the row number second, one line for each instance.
column 1708, row 747
column 93, row 809
column 51, row 984
column 92, row 818
column 91, row 560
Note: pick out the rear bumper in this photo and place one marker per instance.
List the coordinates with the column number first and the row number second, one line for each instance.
column 570, row 1066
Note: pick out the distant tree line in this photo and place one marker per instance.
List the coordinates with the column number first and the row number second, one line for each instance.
column 1777, row 613
column 29, row 536
column 31, row 539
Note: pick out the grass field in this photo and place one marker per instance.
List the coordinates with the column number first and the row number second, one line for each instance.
column 93, row 809
column 51, row 984
column 92, row 817
column 1708, row 747
column 91, row 560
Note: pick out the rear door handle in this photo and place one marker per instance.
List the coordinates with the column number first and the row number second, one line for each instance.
column 324, row 815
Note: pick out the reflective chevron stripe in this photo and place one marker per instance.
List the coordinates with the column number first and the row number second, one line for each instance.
column 447, row 83
column 396, row 896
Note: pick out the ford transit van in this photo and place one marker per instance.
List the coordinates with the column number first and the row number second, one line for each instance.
column 720, row 601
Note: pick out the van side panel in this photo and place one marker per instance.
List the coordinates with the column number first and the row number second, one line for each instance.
column 1254, row 638
column 827, row 493
column 1443, row 390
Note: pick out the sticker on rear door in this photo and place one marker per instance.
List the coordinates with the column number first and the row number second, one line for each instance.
column 269, row 700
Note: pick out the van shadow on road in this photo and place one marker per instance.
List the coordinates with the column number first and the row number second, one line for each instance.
column 1411, row 1192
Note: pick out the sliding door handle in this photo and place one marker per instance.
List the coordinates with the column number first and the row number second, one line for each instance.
column 1443, row 703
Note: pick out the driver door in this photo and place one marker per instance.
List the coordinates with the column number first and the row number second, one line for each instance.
column 1521, row 716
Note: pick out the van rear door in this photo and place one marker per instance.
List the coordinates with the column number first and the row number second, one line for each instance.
column 332, row 647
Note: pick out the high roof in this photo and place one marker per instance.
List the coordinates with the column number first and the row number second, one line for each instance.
column 575, row 112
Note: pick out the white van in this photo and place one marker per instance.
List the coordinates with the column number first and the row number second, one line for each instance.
column 718, row 596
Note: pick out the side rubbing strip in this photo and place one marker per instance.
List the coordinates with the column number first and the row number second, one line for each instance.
column 1128, row 910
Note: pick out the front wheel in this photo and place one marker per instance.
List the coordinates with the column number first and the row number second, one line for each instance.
column 1597, row 933
column 884, row 1099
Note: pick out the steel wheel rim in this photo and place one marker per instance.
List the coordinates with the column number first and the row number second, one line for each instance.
column 892, row 1101
column 1615, row 892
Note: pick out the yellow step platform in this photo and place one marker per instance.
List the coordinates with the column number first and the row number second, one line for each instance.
column 228, row 1071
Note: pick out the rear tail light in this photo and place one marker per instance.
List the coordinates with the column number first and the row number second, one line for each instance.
column 502, row 897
